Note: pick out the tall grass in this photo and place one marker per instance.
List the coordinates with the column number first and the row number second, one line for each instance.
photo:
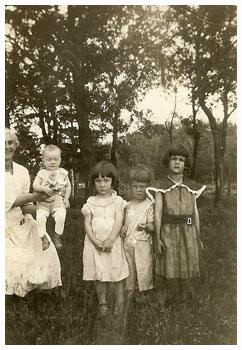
column 68, row 315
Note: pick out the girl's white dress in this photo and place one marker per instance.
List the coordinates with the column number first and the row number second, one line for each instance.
column 26, row 266
column 104, row 266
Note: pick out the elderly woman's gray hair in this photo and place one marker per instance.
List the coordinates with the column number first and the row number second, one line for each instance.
column 13, row 136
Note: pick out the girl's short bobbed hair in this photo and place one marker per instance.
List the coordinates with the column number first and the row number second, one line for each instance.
column 13, row 136
column 141, row 173
column 104, row 168
column 178, row 150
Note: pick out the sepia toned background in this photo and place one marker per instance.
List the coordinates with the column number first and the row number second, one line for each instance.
column 123, row 83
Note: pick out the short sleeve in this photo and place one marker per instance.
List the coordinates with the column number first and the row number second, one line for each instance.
column 41, row 174
column 150, row 213
column 121, row 204
column 86, row 210
column 63, row 171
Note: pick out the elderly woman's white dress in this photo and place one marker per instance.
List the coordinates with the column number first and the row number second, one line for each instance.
column 27, row 266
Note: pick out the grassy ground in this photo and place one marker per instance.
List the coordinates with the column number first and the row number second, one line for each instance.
column 68, row 315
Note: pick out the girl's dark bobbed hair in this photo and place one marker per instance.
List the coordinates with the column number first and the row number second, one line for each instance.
column 105, row 168
column 178, row 150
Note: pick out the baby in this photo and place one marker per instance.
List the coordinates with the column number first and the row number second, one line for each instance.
column 53, row 181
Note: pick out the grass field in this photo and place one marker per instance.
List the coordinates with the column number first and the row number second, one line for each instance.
column 68, row 315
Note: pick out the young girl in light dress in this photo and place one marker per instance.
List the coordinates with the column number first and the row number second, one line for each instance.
column 138, row 230
column 104, row 260
column 177, row 228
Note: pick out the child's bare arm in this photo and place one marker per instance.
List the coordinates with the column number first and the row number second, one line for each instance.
column 150, row 227
column 37, row 185
column 68, row 189
column 67, row 193
column 158, row 213
column 108, row 243
column 158, row 221
column 196, row 218
column 197, row 222
column 88, row 228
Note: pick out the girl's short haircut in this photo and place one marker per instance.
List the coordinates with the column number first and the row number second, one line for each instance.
column 104, row 168
column 50, row 148
column 178, row 150
column 13, row 136
column 141, row 173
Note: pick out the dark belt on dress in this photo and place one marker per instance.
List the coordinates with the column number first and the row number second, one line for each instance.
column 177, row 219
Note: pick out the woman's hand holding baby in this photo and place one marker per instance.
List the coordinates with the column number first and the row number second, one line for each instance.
column 48, row 191
column 45, row 242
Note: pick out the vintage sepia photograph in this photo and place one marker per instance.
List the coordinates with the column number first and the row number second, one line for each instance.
column 120, row 174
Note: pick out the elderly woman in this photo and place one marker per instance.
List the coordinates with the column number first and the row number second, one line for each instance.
column 28, row 266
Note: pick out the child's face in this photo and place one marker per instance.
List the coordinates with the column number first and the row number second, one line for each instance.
column 103, row 184
column 138, row 190
column 177, row 164
column 52, row 160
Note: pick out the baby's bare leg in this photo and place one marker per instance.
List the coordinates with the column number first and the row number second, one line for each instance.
column 42, row 216
column 59, row 215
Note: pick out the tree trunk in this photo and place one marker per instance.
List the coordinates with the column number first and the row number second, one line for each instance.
column 196, row 137
column 75, row 60
column 84, row 136
column 219, row 173
column 55, row 126
column 218, row 153
column 229, row 187
column 194, row 155
column 7, row 119
column 42, row 126
column 115, row 138
column 170, row 128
